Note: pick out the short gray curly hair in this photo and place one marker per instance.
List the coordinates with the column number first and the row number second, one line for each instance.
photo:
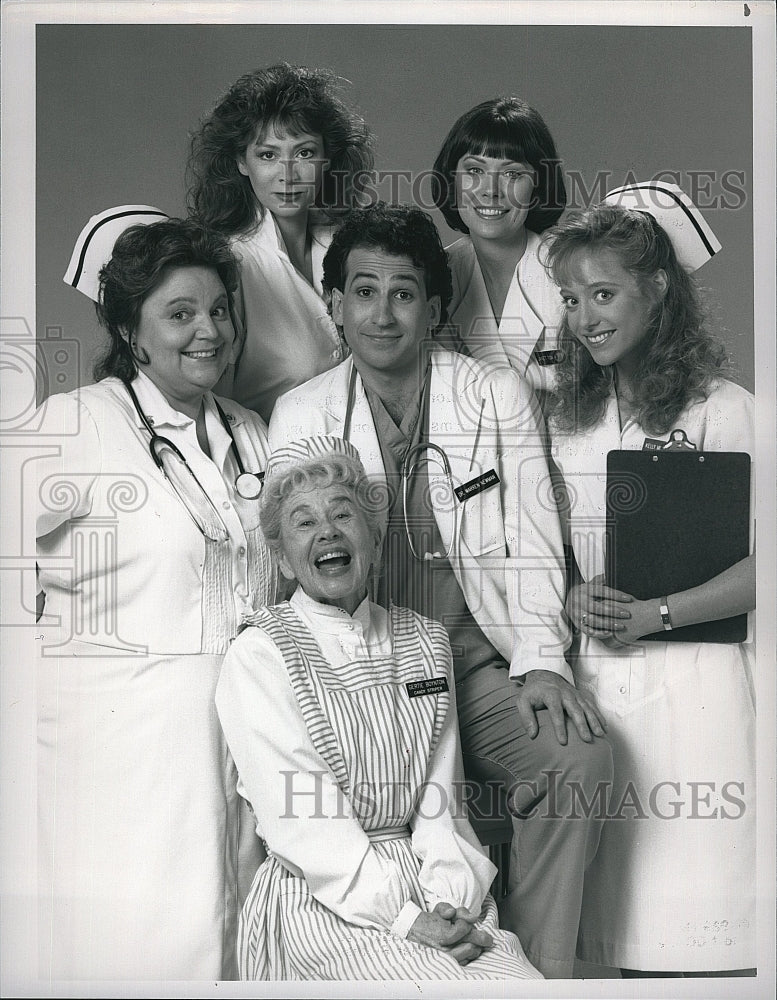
column 322, row 471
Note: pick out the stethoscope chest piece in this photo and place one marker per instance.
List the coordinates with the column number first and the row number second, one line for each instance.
column 248, row 485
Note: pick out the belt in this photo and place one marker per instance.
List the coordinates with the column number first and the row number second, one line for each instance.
column 389, row 833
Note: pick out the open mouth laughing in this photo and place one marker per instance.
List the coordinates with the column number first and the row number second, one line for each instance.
column 332, row 561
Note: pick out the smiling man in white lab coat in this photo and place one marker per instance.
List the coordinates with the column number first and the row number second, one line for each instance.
column 473, row 540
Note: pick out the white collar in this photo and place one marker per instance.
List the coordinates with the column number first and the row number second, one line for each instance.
column 160, row 413
column 268, row 235
column 155, row 405
column 334, row 620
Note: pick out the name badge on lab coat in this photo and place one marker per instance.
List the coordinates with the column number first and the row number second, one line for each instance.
column 477, row 485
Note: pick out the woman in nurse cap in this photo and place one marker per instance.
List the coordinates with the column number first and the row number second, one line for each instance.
column 150, row 554
column 671, row 891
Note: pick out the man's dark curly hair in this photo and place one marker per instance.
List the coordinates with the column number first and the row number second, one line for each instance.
column 142, row 257
column 399, row 230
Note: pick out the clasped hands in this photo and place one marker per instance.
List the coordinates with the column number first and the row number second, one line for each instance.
column 612, row 616
column 451, row 929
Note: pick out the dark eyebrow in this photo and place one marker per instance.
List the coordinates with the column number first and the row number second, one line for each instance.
column 185, row 299
column 302, row 141
column 399, row 276
column 506, row 159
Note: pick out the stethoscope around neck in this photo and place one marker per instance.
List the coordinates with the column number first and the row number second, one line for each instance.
column 248, row 485
column 410, row 463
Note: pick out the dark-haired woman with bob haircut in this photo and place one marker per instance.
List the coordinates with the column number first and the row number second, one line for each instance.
column 498, row 180
column 672, row 888
column 271, row 167
column 150, row 554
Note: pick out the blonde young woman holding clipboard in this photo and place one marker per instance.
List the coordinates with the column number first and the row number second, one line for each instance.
column 671, row 891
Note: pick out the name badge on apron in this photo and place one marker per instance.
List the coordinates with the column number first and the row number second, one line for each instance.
column 432, row 685
column 477, row 485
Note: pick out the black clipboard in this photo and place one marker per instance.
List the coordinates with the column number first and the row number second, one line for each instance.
column 675, row 519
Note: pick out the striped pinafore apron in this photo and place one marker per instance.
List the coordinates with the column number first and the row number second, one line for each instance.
column 358, row 717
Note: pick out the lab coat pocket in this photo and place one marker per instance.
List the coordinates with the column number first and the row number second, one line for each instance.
column 482, row 522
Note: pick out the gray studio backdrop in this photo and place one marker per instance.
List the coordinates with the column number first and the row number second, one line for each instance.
column 115, row 105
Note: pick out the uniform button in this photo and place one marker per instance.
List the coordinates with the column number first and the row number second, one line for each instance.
column 226, row 505
column 350, row 628
column 151, row 421
column 337, row 354
column 241, row 551
column 622, row 689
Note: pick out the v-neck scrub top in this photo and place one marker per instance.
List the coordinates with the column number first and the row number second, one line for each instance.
column 285, row 334
column 139, row 818
column 672, row 887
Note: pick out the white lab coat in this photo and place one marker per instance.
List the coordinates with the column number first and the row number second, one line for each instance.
column 505, row 542
column 531, row 316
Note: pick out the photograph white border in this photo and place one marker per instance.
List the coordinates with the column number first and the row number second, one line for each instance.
column 17, row 322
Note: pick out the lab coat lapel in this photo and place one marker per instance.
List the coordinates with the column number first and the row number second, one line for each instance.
column 363, row 435
column 475, row 317
column 521, row 326
column 459, row 424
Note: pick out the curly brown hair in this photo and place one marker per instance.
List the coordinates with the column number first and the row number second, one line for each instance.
column 682, row 360
column 299, row 98
column 142, row 257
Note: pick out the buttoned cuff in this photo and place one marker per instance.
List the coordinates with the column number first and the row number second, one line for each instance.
column 405, row 919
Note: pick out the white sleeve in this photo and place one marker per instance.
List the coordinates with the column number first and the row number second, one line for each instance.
column 534, row 570
column 67, row 475
column 301, row 812
column 454, row 867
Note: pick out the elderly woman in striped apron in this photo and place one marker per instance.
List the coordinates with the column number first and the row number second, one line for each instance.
column 341, row 718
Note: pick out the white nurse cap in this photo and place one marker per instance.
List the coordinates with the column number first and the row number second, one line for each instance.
column 94, row 245
column 693, row 240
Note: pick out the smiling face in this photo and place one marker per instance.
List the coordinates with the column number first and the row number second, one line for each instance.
column 608, row 310
column 326, row 545
column 384, row 311
column 186, row 332
column 284, row 169
column 494, row 197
